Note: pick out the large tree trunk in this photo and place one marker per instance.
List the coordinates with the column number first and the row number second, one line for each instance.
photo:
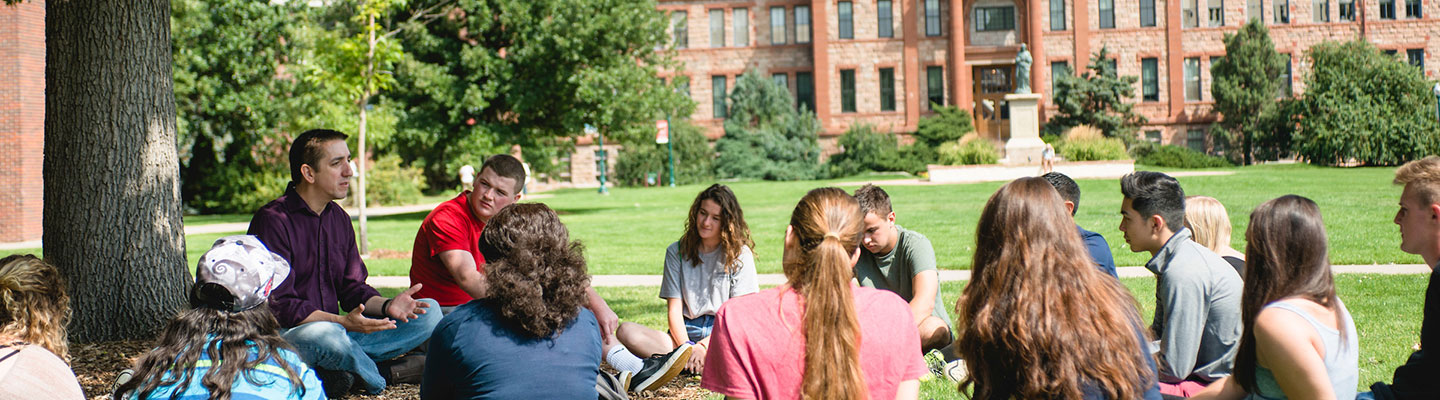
column 112, row 195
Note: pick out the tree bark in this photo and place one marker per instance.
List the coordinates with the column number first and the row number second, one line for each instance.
column 112, row 212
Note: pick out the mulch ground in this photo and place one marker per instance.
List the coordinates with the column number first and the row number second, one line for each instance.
column 97, row 364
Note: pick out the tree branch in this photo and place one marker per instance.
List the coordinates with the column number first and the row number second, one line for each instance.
column 425, row 13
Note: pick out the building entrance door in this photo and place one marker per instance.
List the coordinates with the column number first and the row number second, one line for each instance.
column 991, row 113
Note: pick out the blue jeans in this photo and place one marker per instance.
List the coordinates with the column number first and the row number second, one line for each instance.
column 1365, row 396
column 327, row 345
column 699, row 328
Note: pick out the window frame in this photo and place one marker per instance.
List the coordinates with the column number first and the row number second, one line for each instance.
column 806, row 28
column 717, row 28
column 1320, row 11
column 719, row 109
column 805, row 90
column 884, row 19
column 887, row 88
column 845, row 18
column 1107, row 15
column 1281, row 11
column 1414, row 9
column 932, row 18
column 1057, row 15
column 847, row 91
column 741, row 25
column 1150, row 88
column 1215, row 12
column 934, row 86
column 1147, row 13
column 984, row 18
column 1387, row 5
column 1192, row 65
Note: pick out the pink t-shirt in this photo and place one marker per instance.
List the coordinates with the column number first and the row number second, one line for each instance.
column 758, row 350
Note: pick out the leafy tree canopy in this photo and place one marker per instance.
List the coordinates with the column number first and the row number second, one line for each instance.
column 765, row 137
column 1245, row 85
column 1096, row 98
column 1364, row 106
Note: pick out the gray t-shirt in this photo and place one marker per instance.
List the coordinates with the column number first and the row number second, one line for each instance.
column 702, row 288
column 896, row 271
column 1197, row 311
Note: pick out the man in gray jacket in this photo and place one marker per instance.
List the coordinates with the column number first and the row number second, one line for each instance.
column 1197, row 296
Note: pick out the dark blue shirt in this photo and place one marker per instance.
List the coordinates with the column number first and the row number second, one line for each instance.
column 476, row 354
column 325, row 266
column 1099, row 250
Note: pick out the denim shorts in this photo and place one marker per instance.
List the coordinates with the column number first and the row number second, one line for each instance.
column 699, row 328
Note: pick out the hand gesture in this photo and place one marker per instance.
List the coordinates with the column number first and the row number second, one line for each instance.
column 404, row 307
column 356, row 321
column 696, row 364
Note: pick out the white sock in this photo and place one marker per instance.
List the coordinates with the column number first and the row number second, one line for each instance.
column 621, row 358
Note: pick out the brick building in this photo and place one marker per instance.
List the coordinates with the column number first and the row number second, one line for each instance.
column 881, row 62
column 22, row 120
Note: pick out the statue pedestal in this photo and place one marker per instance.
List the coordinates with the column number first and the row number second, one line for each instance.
column 1024, row 146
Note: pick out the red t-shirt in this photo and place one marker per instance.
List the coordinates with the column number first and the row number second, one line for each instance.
column 757, row 350
column 451, row 226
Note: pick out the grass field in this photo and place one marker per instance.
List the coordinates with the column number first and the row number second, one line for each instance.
column 1387, row 311
column 627, row 231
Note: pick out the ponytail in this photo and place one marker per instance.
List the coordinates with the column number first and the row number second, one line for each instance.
column 826, row 226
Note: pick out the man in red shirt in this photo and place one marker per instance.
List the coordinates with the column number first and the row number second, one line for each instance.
column 446, row 257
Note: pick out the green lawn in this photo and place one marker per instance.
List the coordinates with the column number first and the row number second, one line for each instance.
column 1387, row 311
column 627, row 231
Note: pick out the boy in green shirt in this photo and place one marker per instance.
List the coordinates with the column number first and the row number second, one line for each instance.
column 902, row 261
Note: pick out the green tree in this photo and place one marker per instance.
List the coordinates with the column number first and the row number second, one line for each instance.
column 1246, row 84
column 232, row 111
column 1364, row 106
column 1097, row 98
column 948, row 124
column 694, row 159
column 529, row 72
column 765, row 137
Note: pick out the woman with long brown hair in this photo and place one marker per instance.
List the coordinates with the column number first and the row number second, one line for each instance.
column 818, row 336
column 1038, row 320
column 33, row 312
column 1299, row 341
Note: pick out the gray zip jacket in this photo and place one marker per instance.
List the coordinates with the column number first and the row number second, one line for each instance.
column 1197, row 311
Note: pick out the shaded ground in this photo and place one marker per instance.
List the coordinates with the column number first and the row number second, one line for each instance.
column 96, row 366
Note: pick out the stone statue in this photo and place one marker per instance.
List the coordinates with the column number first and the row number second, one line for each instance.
column 1022, row 70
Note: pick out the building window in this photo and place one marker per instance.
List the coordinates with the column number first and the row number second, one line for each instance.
column 742, row 26
column 1189, row 15
column 884, row 19
column 680, row 29
column 1195, row 140
column 1058, row 70
column 1320, row 11
column 995, row 18
column 932, row 17
column 1107, row 14
column 804, row 91
column 1152, row 136
column 1347, row 10
column 1282, row 11
column 684, row 85
column 846, row 15
column 802, row 24
column 777, row 25
column 1416, row 57
column 847, row 90
column 1217, row 12
column 1150, row 79
column 1057, row 15
column 1389, row 52
column 717, row 95
column 1286, row 88
column 1254, row 9
column 1147, row 13
column 1412, row 9
column 934, row 86
column 1192, row 79
column 1387, row 9
column 717, row 28
column 887, row 89
column 781, row 79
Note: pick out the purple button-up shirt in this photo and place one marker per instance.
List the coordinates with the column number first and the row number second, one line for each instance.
column 325, row 265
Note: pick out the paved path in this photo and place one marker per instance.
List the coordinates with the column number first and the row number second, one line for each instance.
column 946, row 276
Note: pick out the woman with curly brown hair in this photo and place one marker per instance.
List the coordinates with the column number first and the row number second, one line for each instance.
column 710, row 264
column 1038, row 320
column 33, row 312
column 818, row 336
column 533, row 325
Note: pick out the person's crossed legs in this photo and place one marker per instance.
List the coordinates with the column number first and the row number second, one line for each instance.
column 327, row 346
column 934, row 334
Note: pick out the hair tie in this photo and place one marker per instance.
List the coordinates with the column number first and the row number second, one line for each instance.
column 832, row 234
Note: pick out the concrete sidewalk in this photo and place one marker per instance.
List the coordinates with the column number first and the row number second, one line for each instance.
column 945, row 276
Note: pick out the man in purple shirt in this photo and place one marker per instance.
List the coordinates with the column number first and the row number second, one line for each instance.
column 309, row 230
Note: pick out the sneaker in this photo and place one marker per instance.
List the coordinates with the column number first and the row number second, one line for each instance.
column 659, row 369
column 407, row 369
column 337, row 384
column 124, row 377
column 955, row 370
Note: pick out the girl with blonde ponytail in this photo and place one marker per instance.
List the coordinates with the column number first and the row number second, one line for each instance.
column 34, row 309
column 817, row 336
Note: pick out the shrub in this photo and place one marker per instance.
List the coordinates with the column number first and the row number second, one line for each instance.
column 969, row 152
column 390, row 183
column 1363, row 106
column 863, row 149
column 1180, row 157
column 694, row 159
column 1092, row 149
column 948, row 124
column 765, row 138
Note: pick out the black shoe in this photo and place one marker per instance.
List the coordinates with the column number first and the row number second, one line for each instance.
column 337, row 384
column 659, row 369
column 406, row 369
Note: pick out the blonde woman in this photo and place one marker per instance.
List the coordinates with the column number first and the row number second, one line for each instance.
column 33, row 312
column 1210, row 227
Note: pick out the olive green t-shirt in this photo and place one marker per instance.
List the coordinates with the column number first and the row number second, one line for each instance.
column 896, row 271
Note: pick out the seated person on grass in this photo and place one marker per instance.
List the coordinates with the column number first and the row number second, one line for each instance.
column 312, row 233
column 533, row 337
column 1419, row 220
column 1095, row 244
column 1197, row 294
column 711, row 263
column 901, row 261
column 228, row 344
